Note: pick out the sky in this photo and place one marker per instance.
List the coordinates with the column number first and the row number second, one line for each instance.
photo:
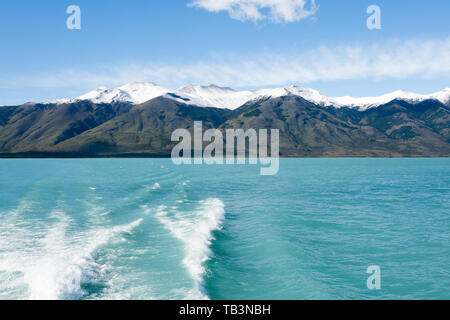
column 243, row 44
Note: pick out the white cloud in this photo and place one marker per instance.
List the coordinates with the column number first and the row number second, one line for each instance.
column 387, row 60
column 254, row 10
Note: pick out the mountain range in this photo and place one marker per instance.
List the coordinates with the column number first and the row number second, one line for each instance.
column 138, row 119
column 227, row 98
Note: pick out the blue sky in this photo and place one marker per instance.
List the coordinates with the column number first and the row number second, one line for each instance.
column 172, row 43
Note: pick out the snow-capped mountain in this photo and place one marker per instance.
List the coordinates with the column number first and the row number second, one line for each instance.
column 311, row 95
column 203, row 96
column 370, row 102
column 231, row 99
column 135, row 92
column 214, row 96
column 227, row 98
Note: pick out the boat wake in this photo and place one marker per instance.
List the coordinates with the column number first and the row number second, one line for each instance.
column 195, row 230
column 52, row 261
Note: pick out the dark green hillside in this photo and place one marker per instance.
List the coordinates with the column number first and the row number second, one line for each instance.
column 84, row 129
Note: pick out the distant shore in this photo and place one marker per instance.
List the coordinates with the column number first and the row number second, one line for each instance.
column 49, row 155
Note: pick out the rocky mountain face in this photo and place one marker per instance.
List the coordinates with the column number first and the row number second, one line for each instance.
column 38, row 127
column 86, row 129
column 396, row 129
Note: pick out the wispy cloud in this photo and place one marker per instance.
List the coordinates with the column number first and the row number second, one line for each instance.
column 255, row 10
column 388, row 60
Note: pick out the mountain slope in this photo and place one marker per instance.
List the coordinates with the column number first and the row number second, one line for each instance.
column 395, row 129
column 145, row 129
column 37, row 127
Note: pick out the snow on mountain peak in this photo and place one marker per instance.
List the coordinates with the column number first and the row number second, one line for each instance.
column 212, row 88
column 306, row 93
column 365, row 103
column 443, row 96
column 220, row 97
column 135, row 92
column 214, row 96
column 140, row 92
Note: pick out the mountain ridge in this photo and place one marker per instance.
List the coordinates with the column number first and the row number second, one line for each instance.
column 121, row 129
column 228, row 98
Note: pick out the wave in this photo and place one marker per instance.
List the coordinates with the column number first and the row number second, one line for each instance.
column 56, row 263
column 195, row 229
column 153, row 187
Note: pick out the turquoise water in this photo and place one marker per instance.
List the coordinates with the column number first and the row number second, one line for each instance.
column 146, row 229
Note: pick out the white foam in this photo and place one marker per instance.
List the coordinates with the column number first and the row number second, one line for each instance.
column 195, row 229
column 156, row 186
column 185, row 183
column 54, row 263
